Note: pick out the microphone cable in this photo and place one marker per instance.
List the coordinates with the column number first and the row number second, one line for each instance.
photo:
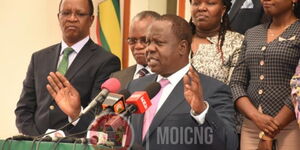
column 69, row 136
column 95, row 112
column 33, row 142
column 46, row 139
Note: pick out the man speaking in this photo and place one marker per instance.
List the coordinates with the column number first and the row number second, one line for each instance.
column 191, row 111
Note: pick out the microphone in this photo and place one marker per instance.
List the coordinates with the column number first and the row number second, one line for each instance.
column 115, row 102
column 110, row 85
column 139, row 101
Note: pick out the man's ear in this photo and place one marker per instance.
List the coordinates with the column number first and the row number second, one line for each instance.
column 92, row 20
column 183, row 47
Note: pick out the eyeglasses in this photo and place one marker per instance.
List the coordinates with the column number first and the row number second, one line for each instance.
column 67, row 14
column 133, row 41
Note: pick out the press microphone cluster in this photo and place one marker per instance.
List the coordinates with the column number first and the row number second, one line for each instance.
column 125, row 103
column 104, row 126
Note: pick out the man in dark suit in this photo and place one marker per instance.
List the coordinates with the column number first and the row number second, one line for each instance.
column 137, row 45
column 245, row 14
column 86, row 66
column 183, row 116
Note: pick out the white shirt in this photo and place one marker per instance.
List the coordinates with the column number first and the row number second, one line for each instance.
column 174, row 80
column 138, row 67
column 76, row 47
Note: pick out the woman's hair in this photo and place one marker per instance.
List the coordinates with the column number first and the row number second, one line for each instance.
column 297, row 9
column 225, row 25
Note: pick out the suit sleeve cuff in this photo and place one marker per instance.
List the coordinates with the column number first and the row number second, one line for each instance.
column 201, row 117
column 76, row 121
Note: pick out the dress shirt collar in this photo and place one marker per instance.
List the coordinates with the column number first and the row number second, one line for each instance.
column 76, row 47
column 177, row 76
column 138, row 67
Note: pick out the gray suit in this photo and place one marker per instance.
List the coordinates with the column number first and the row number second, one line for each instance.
column 125, row 75
column 36, row 110
column 175, row 114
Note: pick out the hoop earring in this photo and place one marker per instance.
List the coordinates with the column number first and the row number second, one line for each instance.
column 221, row 20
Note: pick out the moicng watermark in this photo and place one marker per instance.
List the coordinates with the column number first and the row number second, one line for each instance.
column 184, row 135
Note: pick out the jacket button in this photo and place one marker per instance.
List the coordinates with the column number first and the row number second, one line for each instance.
column 262, row 62
column 263, row 48
column 261, row 77
column 51, row 107
column 260, row 91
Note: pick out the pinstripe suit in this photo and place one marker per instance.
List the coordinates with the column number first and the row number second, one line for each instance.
column 36, row 110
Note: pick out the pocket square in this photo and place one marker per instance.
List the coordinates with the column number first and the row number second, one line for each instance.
column 247, row 4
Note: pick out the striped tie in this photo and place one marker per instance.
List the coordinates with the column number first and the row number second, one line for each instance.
column 63, row 66
column 142, row 72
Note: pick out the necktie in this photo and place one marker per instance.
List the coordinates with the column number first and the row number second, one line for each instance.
column 150, row 113
column 142, row 72
column 63, row 66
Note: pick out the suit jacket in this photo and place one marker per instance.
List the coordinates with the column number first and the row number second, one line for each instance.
column 36, row 110
column 241, row 19
column 174, row 128
column 264, row 70
column 125, row 75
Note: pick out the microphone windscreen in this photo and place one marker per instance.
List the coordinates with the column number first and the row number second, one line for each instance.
column 125, row 93
column 152, row 89
column 112, row 85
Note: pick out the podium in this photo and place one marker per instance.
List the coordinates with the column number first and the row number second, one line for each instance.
column 38, row 145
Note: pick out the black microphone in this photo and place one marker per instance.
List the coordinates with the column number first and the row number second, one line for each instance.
column 110, row 85
column 115, row 102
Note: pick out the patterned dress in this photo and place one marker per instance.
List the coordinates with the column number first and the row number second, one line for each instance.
column 264, row 69
column 207, row 59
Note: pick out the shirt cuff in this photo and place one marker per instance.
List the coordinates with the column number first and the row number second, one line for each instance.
column 76, row 121
column 201, row 117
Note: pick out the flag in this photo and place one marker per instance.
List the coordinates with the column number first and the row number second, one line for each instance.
column 109, row 28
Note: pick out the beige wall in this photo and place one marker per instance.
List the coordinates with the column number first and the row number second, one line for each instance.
column 25, row 27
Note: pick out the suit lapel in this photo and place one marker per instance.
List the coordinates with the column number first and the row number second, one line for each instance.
column 175, row 98
column 235, row 8
column 129, row 73
column 83, row 56
column 53, row 55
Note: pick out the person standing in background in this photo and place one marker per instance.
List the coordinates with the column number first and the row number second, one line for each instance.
column 215, row 48
column 137, row 44
column 260, row 82
column 245, row 14
column 85, row 64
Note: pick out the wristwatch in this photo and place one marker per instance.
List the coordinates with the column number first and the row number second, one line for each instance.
column 262, row 136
